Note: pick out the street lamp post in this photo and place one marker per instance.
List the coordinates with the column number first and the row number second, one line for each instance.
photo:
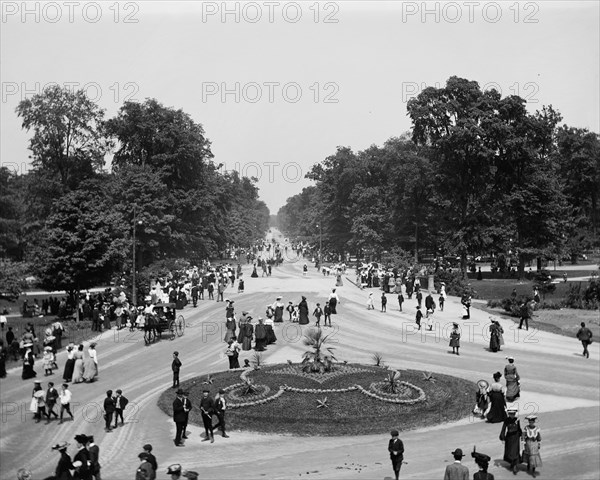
column 320, row 241
column 134, row 292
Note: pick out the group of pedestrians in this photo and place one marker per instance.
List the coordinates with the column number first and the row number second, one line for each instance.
column 43, row 402
column 84, row 465
column 209, row 407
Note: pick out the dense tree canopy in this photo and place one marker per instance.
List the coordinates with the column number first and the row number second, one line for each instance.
column 478, row 174
column 74, row 220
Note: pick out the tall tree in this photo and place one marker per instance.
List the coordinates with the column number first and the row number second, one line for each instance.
column 452, row 120
column 68, row 144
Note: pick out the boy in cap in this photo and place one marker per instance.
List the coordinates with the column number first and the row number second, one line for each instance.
column 176, row 366
column 220, row 407
column 120, row 404
column 456, row 470
column 396, row 449
column 175, row 471
column 151, row 458
column 207, row 407
column 94, row 452
column 51, row 399
column 65, row 402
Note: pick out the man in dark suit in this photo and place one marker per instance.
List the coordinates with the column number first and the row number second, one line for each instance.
column 195, row 295
column 396, row 449
column 187, row 406
column 120, row 404
column 207, row 407
column 109, row 410
column 179, row 417
column 94, row 452
column 51, row 399
column 80, row 460
column 456, row 470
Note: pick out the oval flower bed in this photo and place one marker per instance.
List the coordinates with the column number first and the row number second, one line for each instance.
column 293, row 402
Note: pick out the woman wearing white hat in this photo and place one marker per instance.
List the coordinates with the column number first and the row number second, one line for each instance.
column 511, row 436
column 532, row 439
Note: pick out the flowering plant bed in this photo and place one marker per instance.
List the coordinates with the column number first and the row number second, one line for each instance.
column 286, row 400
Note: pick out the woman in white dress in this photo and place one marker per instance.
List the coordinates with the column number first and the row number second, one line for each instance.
column 90, row 369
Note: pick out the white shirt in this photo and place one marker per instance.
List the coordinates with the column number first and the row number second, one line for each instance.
column 65, row 397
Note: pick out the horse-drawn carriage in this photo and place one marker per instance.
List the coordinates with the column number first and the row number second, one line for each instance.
column 164, row 319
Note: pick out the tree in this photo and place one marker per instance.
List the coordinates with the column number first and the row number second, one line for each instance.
column 578, row 158
column 165, row 139
column 68, row 144
column 79, row 246
column 12, row 278
column 12, row 213
column 453, row 121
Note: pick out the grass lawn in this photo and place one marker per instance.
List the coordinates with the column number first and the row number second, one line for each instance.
column 498, row 288
column 348, row 413
column 565, row 321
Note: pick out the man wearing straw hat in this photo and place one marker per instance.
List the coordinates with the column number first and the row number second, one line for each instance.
column 456, row 470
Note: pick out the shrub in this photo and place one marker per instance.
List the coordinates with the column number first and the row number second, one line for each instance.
column 543, row 281
column 495, row 303
column 456, row 283
column 588, row 299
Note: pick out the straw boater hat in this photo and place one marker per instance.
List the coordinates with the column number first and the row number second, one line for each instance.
column 61, row 446
column 512, row 410
column 48, row 348
column 531, row 418
column 279, row 297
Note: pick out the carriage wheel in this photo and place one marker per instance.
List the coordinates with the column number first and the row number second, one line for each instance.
column 172, row 330
column 180, row 325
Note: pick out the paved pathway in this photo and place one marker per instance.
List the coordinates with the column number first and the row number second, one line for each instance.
column 558, row 383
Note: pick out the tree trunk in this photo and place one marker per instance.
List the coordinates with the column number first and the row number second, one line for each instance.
column 521, row 266
column 539, row 264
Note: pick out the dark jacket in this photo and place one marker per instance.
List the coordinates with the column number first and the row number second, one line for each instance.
column 83, row 472
column 179, row 415
column 109, row 405
column 207, row 405
column 64, row 467
column 396, row 445
column 94, row 452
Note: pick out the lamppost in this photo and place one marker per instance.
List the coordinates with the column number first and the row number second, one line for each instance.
column 134, row 292
column 320, row 241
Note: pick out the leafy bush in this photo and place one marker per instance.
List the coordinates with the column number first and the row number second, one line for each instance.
column 495, row 303
column 588, row 299
column 456, row 283
column 543, row 281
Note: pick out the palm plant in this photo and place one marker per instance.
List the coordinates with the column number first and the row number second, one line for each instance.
column 392, row 382
column 317, row 360
column 249, row 388
column 378, row 359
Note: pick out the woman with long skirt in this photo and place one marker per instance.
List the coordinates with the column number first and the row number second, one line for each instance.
column 230, row 326
column 271, row 338
column 28, row 362
column 90, row 367
column 278, row 310
column 532, row 439
column 513, row 389
column 78, row 366
column 497, row 408
column 511, row 436
column 70, row 364
column 248, row 333
column 303, row 312
column 494, row 338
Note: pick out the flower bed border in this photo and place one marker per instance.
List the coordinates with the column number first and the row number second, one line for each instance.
column 376, row 394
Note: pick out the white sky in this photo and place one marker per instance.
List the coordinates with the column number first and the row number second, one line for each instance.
column 370, row 60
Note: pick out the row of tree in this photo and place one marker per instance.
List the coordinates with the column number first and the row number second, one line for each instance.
column 477, row 174
column 72, row 219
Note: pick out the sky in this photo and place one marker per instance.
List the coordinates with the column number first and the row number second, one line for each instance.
column 278, row 86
